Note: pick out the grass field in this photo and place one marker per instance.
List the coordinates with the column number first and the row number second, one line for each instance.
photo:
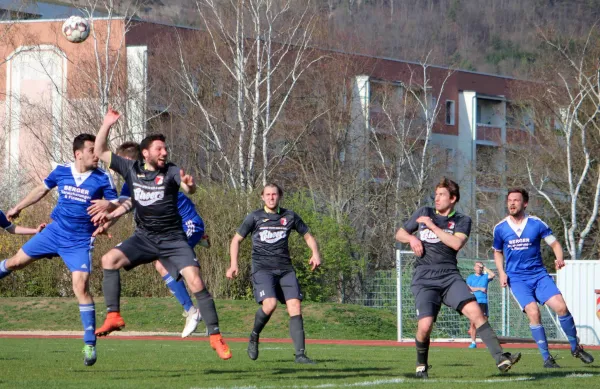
column 321, row 321
column 57, row 363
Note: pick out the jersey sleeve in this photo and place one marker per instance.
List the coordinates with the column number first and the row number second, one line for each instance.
column 109, row 189
column 52, row 180
column 120, row 165
column 411, row 224
column 299, row 225
column 463, row 226
column 498, row 244
column 247, row 226
column 4, row 223
column 173, row 174
column 545, row 230
column 125, row 193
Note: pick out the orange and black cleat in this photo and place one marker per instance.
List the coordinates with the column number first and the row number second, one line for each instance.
column 113, row 322
column 219, row 345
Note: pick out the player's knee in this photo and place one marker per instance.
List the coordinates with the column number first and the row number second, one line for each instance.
column 269, row 305
column 160, row 268
column 110, row 261
column 293, row 307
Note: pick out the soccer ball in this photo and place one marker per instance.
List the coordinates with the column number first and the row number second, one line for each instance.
column 76, row 29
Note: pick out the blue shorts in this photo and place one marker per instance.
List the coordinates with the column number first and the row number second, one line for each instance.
column 75, row 250
column 194, row 230
column 537, row 289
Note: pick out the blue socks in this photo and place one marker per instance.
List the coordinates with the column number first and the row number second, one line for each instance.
column 539, row 335
column 88, row 319
column 3, row 270
column 180, row 292
column 568, row 325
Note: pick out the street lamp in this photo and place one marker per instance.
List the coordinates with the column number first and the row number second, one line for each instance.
column 477, row 213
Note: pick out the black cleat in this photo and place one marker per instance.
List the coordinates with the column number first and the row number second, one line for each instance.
column 582, row 354
column 550, row 363
column 253, row 347
column 508, row 360
column 302, row 358
column 422, row 372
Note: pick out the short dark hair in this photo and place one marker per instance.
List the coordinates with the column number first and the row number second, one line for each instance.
column 523, row 192
column 451, row 186
column 147, row 141
column 79, row 141
column 273, row 185
column 130, row 150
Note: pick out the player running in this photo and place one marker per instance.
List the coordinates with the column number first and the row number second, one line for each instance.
column 70, row 233
column 155, row 185
column 442, row 232
column 273, row 275
column 518, row 238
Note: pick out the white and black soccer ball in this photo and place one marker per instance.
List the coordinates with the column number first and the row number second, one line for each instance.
column 76, row 29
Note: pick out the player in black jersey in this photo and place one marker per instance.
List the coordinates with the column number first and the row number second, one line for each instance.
column 442, row 232
column 154, row 184
column 273, row 275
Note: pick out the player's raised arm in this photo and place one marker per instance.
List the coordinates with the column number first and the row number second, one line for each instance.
column 32, row 197
column 187, row 182
column 101, row 145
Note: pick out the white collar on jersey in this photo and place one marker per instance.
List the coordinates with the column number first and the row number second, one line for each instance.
column 79, row 178
column 518, row 228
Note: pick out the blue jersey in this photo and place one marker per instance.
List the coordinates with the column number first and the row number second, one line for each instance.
column 75, row 193
column 185, row 206
column 521, row 246
column 4, row 223
column 479, row 281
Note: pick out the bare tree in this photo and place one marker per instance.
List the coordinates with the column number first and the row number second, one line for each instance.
column 571, row 98
column 263, row 49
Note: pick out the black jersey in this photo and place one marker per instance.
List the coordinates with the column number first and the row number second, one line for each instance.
column 270, row 233
column 435, row 252
column 154, row 195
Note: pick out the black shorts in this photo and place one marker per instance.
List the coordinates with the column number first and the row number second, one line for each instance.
column 432, row 287
column 281, row 284
column 173, row 252
column 484, row 309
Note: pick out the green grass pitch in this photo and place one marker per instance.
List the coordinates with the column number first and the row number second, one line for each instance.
column 57, row 363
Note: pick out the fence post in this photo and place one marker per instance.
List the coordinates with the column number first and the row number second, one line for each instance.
column 399, row 292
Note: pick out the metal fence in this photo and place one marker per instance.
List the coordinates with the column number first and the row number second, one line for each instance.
column 390, row 289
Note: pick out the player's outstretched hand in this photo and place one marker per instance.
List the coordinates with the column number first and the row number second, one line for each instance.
column 559, row 264
column 503, row 280
column 111, row 117
column 40, row 227
column 186, row 178
column 100, row 218
column 315, row 262
column 416, row 246
column 99, row 205
column 12, row 214
column 232, row 272
column 102, row 230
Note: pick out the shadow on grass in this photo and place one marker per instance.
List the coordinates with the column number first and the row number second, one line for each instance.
column 307, row 373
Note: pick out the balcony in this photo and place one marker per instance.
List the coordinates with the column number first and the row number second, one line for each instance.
column 489, row 133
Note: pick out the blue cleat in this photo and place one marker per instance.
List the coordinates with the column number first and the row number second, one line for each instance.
column 473, row 345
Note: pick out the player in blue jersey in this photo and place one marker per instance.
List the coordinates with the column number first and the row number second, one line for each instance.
column 70, row 233
column 18, row 230
column 193, row 226
column 478, row 283
column 518, row 239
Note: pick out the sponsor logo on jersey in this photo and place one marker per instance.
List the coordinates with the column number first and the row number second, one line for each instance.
column 428, row 236
column 159, row 180
column 283, row 221
column 147, row 198
column 269, row 236
column 451, row 225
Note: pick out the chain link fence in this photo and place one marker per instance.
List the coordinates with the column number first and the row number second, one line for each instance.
column 506, row 317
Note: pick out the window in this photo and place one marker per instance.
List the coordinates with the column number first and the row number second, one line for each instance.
column 450, row 112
